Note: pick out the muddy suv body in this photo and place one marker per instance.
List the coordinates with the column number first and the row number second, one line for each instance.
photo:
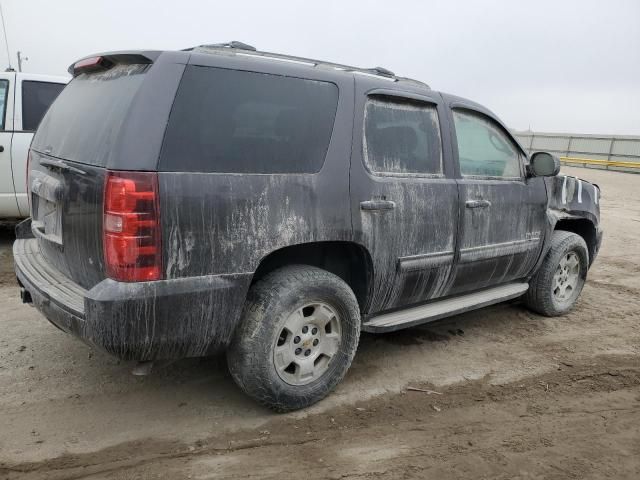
column 173, row 193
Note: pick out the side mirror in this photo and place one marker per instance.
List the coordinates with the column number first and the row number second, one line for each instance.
column 544, row 164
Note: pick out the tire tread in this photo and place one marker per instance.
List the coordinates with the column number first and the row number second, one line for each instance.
column 246, row 354
column 537, row 298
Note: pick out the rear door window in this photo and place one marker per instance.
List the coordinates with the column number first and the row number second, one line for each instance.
column 231, row 121
column 402, row 137
column 37, row 97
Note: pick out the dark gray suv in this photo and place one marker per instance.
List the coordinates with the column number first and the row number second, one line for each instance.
column 223, row 199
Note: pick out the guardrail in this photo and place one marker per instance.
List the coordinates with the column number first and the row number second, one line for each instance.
column 603, row 163
column 610, row 152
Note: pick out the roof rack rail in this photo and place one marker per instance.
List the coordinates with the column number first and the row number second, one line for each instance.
column 377, row 71
column 232, row 44
column 381, row 71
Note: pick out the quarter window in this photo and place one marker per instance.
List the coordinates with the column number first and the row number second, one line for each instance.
column 37, row 97
column 232, row 121
column 402, row 137
column 483, row 148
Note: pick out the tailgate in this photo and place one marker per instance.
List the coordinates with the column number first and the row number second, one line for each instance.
column 81, row 136
column 66, row 210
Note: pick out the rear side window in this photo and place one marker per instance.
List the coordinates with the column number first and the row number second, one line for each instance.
column 402, row 137
column 84, row 122
column 483, row 148
column 37, row 97
column 231, row 121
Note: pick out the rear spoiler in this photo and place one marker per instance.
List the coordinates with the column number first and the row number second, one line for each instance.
column 105, row 61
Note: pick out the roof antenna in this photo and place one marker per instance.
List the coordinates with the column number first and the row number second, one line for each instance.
column 6, row 41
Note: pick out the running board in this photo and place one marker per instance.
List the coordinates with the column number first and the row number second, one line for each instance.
column 388, row 322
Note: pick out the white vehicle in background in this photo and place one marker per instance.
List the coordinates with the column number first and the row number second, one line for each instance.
column 24, row 98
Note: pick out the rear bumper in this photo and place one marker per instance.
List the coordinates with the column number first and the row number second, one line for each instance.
column 139, row 321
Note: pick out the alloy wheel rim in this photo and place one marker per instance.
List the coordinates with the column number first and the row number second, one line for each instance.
column 309, row 339
column 566, row 277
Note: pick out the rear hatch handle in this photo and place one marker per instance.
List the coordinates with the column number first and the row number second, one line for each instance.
column 37, row 228
column 61, row 165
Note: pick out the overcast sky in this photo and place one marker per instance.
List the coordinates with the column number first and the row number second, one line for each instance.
column 565, row 66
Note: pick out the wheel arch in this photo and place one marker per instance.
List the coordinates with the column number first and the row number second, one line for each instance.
column 348, row 260
column 584, row 228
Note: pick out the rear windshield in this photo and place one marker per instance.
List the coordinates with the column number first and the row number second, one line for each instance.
column 84, row 122
column 232, row 121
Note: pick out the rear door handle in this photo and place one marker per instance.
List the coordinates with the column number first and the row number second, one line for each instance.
column 477, row 203
column 377, row 205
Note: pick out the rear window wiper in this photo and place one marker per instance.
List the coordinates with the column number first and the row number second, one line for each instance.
column 61, row 165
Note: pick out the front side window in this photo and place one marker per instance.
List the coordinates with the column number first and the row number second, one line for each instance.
column 4, row 91
column 483, row 148
column 37, row 97
column 402, row 137
column 232, row 121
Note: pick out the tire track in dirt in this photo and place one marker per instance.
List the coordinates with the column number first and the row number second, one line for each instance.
column 354, row 431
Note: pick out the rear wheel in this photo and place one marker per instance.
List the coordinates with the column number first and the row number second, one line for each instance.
column 297, row 338
column 555, row 288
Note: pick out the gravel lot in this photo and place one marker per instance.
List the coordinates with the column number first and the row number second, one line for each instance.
column 518, row 395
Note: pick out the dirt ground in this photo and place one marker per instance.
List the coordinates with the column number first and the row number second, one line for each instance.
column 516, row 395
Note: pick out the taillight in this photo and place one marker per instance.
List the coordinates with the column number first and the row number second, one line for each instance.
column 131, row 224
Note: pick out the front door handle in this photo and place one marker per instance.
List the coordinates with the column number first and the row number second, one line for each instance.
column 477, row 203
column 377, row 205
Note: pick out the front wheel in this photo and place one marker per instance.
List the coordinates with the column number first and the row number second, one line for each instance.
column 556, row 286
column 298, row 336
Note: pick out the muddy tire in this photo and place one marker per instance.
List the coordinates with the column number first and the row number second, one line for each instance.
column 556, row 286
column 297, row 338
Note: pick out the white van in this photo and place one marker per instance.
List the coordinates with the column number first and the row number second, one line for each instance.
column 24, row 98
